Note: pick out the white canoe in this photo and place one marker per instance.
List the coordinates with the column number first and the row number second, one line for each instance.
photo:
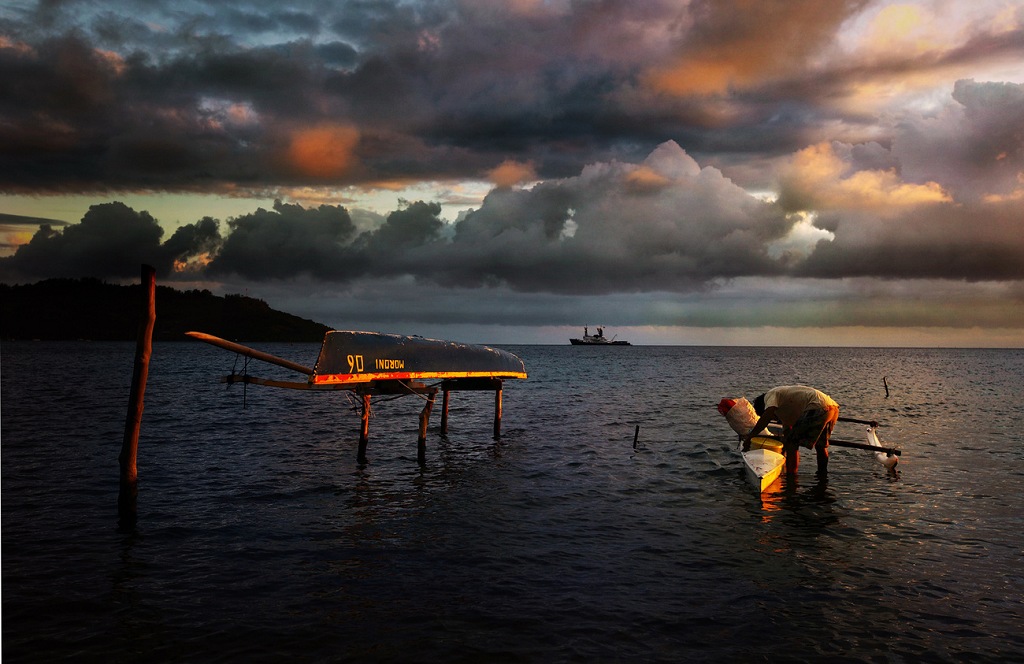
column 762, row 464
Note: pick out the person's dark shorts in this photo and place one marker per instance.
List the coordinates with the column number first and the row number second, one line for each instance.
column 813, row 425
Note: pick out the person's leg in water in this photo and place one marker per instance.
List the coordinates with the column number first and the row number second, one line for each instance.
column 821, row 445
column 792, row 449
column 821, row 448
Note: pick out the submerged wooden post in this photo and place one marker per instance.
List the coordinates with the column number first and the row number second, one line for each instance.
column 421, row 442
column 444, row 411
column 364, row 429
column 127, row 497
column 497, row 411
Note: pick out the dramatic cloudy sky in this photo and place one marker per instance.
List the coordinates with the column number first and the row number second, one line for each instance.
column 702, row 171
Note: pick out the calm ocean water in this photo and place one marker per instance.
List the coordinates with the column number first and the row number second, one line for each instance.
column 261, row 539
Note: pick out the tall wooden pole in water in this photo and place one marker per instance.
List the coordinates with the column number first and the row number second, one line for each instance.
column 127, row 498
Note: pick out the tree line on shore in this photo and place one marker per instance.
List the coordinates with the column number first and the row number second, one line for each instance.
column 91, row 309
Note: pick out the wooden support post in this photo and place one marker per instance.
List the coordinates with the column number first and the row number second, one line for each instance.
column 497, row 411
column 421, row 443
column 127, row 498
column 364, row 429
column 444, row 411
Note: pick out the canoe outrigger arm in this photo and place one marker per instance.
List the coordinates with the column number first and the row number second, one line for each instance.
column 891, row 451
column 250, row 352
column 371, row 363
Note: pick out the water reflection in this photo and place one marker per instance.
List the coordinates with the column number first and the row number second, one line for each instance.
column 772, row 500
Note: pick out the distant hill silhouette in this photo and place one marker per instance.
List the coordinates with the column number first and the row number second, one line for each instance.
column 58, row 309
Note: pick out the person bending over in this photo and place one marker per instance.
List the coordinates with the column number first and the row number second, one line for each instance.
column 807, row 416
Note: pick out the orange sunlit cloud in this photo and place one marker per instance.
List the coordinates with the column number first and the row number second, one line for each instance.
column 902, row 29
column 646, row 179
column 510, row 173
column 699, row 77
column 386, row 185
column 822, row 177
column 911, row 47
column 747, row 44
column 193, row 264
column 19, row 47
column 113, row 60
column 1016, row 195
column 10, row 239
column 324, row 151
column 871, row 92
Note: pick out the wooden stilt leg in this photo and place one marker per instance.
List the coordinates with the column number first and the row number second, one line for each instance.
column 444, row 413
column 497, row 412
column 421, row 444
column 364, row 430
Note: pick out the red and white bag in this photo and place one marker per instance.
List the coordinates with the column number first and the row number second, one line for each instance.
column 740, row 413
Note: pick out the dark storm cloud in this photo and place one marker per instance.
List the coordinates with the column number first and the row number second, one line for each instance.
column 77, row 119
column 289, row 241
column 209, row 95
column 405, row 229
column 338, row 54
column 665, row 224
column 958, row 242
column 111, row 241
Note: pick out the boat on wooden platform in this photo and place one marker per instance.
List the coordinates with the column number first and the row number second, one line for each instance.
column 363, row 361
column 371, row 364
column 596, row 339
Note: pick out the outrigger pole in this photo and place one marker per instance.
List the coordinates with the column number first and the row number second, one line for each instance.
column 250, row 352
column 846, row 443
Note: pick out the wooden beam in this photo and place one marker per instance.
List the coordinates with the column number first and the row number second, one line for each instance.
column 497, row 412
column 444, row 412
column 421, row 442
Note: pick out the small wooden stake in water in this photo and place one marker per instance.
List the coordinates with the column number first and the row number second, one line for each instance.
column 127, row 497
column 886, row 383
column 364, row 430
column 636, row 436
